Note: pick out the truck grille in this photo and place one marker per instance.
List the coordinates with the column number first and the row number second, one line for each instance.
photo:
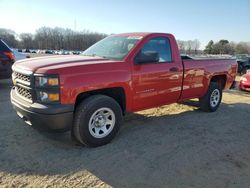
column 24, row 92
column 22, row 84
column 22, row 78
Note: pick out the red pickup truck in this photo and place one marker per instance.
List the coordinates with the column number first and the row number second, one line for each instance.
column 89, row 94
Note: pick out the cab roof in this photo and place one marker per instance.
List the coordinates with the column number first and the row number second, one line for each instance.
column 143, row 34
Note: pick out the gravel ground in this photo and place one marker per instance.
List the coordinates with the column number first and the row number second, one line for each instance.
column 172, row 146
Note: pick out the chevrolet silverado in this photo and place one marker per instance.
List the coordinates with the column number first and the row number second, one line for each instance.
column 90, row 93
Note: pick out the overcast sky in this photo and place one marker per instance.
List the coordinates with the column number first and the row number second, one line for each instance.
column 191, row 19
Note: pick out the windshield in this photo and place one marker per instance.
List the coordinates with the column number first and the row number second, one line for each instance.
column 113, row 47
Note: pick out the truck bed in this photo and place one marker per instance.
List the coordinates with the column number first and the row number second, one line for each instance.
column 196, row 76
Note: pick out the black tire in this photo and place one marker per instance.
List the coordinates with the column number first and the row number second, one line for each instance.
column 206, row 100
column 244, row 70
column 239, row 68
column 87, row 110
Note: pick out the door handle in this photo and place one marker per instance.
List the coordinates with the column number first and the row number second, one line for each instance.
column 174, row 69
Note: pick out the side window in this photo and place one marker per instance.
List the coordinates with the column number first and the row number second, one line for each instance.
column 160, row 45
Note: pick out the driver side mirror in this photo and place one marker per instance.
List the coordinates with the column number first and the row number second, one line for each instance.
column 147, row 57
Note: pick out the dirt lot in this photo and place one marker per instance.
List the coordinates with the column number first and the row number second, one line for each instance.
column 171, row 146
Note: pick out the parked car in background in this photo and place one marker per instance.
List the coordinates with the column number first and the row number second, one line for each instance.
column 76, row 52
column 241, row 56
column 243, row 61
column 48, row 52
column 245, row 82
column 19, row 55
column 33, row 51
column 27, row 51
column 7, row 59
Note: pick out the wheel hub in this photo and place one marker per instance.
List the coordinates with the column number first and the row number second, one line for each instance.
column 215, row 98
column 100, row 121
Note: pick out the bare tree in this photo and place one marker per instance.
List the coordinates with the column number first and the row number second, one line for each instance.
column 9, row 37
column 196, row 45
column 242, row 48
column 181, row 45
column 26, row 40
column 60, row 38
column 189, row 46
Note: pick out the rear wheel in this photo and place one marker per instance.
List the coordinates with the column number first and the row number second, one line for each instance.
column 212, row 99
column 244, row 70
column 97, row 120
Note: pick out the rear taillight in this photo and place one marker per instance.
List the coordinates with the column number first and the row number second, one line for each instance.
column 10, row 55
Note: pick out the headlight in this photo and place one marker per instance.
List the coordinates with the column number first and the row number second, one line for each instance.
column 243, row 79
column 47, row 96
column 47, row 88
column 43, row 81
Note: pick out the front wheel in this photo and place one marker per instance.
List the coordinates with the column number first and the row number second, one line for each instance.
column 212, row 99
column 97, row 120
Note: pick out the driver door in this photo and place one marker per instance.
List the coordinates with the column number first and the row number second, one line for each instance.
column 156, row 83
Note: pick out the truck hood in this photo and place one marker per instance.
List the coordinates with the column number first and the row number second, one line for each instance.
column 33, row 64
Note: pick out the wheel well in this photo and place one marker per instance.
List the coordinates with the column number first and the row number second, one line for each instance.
column 116, row 93
column 220, row 79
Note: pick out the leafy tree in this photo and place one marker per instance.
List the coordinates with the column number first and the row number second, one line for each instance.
column 209, row 47
column 221, row 47
column 223, row 42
